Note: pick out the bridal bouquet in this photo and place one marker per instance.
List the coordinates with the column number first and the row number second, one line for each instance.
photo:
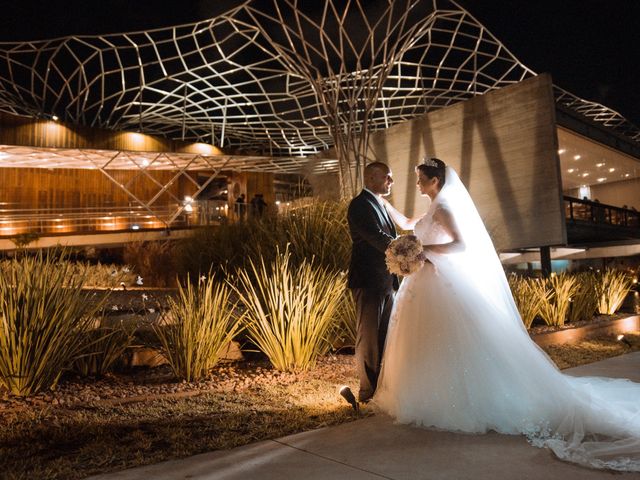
column 404, row 255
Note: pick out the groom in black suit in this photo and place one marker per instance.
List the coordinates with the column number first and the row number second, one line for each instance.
column 373, row 286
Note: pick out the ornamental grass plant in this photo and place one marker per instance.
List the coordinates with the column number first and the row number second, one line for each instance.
column 103, row 348
column 290, row 310
column 528, row 294
column 198, row 326
column 555, row 294
column 44, row 317
column 584, row 302
column 346, row 326
column 315, row 230
column 96, row 275
column 611, row 288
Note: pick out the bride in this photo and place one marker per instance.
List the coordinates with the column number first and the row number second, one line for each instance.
column 459, row 358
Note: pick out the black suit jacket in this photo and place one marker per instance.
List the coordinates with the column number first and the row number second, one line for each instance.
column 371, row 232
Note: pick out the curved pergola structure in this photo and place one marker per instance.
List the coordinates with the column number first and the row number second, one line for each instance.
column 272, row 78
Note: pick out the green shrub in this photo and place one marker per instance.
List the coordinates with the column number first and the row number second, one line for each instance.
column 611, row 287
column 316, row 230
column 44, row 315
column 199, row 324
column 153, row 261
column 291, row 311
column 319, row 231
column 102, row 348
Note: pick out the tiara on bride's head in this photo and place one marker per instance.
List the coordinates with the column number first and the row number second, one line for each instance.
column 430, row 162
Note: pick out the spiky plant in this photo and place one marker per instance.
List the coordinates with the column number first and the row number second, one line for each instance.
column 290, row 311
column 44, row 315
column 555, row 294
column 612, row 287
column 317, row 230
column 528, row 297
column 103, row 347
column 198, row 326
column 344, row 334
column 584, row 302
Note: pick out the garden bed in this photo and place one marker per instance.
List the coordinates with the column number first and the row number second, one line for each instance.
column 124, row 420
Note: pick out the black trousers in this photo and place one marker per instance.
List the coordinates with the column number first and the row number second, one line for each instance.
column 373, row 308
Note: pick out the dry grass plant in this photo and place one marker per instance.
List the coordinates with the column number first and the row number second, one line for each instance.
column 555, row 294
column 44, row 316
column 291, row 310
column 528, row 294
column 611, row 288
column 203, row 321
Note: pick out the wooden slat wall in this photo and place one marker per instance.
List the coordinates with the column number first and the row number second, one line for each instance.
column 47, row 133
column 31, row 188
column 504, row 147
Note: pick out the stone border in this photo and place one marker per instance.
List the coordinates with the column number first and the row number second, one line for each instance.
column 572, row 335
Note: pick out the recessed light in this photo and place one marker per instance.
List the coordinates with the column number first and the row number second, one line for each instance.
column 562, row 150
column 571, row 170
column 577, row 157
column 585, row 174
column 612, row 169
column 599, row 165
column 627, row 174
column 602, row 179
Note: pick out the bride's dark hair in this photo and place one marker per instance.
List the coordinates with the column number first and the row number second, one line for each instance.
column 433, row 167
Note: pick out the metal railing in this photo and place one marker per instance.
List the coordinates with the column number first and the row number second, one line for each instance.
column 85, row 220
column 587, row 211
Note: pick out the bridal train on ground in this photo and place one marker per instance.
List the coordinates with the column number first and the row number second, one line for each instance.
column 458, row 357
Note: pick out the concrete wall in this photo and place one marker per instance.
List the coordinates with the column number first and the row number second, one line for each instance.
column 504, row 147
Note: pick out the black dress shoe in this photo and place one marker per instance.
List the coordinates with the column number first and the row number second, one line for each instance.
column 347, row 394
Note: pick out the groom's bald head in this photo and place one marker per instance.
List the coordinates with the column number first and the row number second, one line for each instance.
column 377, row 178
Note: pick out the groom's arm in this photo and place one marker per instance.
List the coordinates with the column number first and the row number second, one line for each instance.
column 365, row 223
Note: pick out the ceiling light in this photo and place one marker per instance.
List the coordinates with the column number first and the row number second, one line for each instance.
column 627, row 174
column 602, row 179
column 562, row 150
column 577, row 157
column 571, row 170
column 55, row 118
column 612, row 169
column 599, row 165
column 585, row 174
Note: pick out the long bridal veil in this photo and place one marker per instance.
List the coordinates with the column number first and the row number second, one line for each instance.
column 459, row 358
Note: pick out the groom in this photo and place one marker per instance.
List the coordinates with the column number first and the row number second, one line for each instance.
column 373, row 286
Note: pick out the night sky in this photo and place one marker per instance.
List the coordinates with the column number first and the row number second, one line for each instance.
column 591, row 47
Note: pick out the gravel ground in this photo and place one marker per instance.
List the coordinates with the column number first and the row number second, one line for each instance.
column 149, row 383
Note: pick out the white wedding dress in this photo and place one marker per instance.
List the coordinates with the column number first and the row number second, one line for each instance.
column 458, row 357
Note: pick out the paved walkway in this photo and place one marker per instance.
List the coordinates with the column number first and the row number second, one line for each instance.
column 375, row 448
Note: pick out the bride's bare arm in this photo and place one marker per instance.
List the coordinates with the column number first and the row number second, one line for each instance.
column 446, row 220
column 402, row 221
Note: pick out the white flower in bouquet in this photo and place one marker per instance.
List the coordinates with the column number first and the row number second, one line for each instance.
column 404, row 255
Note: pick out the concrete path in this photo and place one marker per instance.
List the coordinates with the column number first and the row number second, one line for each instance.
column 375, row 448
